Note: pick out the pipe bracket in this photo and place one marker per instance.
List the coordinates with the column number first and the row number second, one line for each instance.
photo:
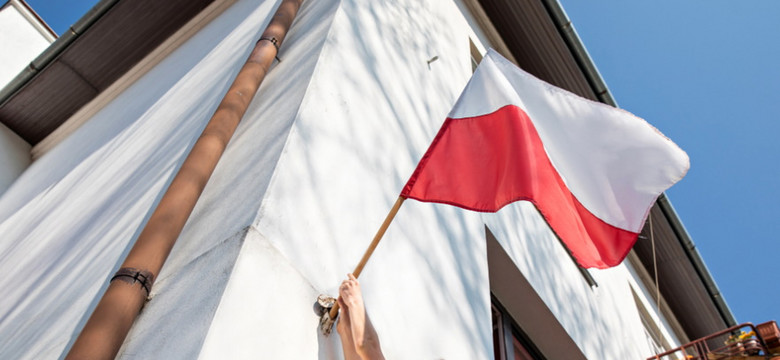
column 133, row 275
column 275, row 43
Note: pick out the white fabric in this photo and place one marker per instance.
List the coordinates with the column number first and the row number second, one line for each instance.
column 614, row 163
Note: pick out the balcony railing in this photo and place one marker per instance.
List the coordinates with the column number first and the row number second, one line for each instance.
column 741, row 342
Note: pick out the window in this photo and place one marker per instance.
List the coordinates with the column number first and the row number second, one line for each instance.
column 476, row 56
column 653, row 336
column 528, row 328
column 509, row 341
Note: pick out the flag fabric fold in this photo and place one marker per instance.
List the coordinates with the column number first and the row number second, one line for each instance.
column 592, row 171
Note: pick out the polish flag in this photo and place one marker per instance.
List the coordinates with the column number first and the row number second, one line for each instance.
column 592, row 171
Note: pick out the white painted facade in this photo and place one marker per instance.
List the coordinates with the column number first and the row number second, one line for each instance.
column 335, row 131
column 22, row 37
column 14, row 157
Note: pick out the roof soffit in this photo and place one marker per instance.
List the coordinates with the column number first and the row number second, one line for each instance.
column 98, row 56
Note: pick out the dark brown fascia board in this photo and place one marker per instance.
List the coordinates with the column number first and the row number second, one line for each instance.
column 37, row 102
column 578, row 50
column 55, row 49
column 696, row 260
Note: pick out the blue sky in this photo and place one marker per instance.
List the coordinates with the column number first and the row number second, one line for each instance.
column 705, row 73
column 60, row 15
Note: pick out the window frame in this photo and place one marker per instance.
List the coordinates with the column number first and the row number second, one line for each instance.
column 507, row 332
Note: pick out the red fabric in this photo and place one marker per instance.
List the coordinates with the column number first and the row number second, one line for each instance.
column 484, row 163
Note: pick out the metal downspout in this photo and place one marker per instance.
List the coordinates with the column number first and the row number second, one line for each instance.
column 111, row 320
column 596, row 82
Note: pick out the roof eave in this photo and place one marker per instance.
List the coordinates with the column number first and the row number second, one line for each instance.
column 56, row 48
column 573, row 41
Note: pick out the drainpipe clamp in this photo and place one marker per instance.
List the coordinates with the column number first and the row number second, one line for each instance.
column 133, row 275
column 275, row 43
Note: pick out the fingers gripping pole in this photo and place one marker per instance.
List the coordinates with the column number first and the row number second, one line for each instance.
column 359, row 268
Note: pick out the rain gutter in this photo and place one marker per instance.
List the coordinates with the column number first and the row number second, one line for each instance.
column 581, row 56
column 698, row 263
column 573, row 41
column 55, row 49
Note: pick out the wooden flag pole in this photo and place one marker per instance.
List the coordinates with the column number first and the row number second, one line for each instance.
column 381, row 232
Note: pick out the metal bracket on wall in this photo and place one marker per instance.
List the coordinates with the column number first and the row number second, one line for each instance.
column 275, row 43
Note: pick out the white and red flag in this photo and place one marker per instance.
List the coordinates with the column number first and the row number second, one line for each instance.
column 592, row 171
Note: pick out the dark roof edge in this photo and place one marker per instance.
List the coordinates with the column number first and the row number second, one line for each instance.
column 573, row 41
column 569, row 34
column 55, row 49
column 698, row 263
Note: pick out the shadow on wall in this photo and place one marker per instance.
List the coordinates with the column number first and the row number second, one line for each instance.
column 417, row 114
column 386, row 42
column 67, row 222
column 592, row 316
column 236, row 188
column 194, row 78
column 380, row 125
column 377, row 92
column 157, row 333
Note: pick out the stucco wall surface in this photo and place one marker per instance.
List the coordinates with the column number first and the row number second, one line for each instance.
column 228, row 205
column 603, row 321
column 647, row 297
column 326, row 146
column 20, row 42
column 14, row 157
column 71, row 217
column 371, row 109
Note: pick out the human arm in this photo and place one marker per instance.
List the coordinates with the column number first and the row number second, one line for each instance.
column 364, row 336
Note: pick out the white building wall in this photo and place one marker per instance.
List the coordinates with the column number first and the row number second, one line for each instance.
column 69, row 219
column 603, row 320
column 368, row 115
column 14, row 157
column 647, row 297
column 326, row 146
column 22, row 38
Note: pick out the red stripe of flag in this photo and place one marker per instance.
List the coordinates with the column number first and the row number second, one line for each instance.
column 486, row 162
